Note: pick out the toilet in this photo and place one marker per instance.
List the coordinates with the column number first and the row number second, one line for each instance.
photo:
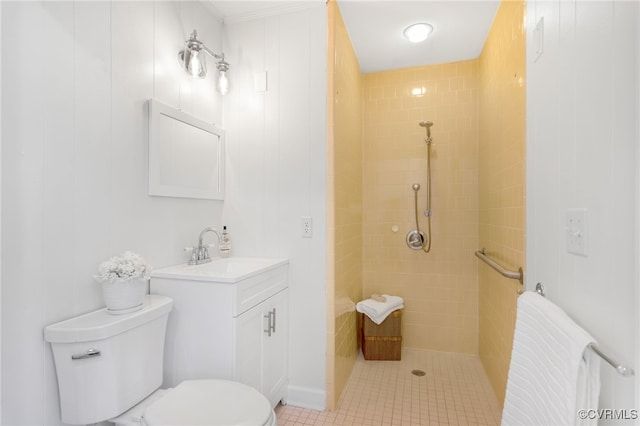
column 109, row 368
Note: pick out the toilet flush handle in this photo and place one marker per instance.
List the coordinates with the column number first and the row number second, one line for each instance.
column 91, row 353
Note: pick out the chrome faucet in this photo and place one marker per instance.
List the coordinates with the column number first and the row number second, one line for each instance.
column 200, row 253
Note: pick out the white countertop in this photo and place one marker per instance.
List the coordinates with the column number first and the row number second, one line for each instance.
column 225, row 270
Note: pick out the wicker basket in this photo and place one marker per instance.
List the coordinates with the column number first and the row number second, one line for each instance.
column 382, row 342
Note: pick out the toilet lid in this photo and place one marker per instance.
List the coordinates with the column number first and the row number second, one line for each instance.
column 209, row 402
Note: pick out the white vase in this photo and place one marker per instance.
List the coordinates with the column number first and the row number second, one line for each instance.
column 124, row 296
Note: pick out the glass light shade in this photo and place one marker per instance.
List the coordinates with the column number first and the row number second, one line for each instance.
column 195, row 63
column 193, row 60
column 417, row 32
column 223, row 82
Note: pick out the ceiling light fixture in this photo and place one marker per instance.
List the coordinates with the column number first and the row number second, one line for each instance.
column 417, row 32
column 193, row 61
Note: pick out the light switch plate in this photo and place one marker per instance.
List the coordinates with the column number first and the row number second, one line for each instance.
column 576, row 230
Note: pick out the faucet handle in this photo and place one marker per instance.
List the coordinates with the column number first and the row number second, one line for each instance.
column 194, row 254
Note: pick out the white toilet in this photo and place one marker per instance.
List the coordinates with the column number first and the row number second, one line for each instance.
column 109, row 367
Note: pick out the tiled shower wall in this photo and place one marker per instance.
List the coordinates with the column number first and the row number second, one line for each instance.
column 439, row 288
column 477, row 179
column 501, row 185
column 344, row 204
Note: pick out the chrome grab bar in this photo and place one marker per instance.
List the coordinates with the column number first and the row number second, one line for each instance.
column 516, row 275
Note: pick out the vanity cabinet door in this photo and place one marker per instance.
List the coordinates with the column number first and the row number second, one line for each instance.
column 261, row 347
column 274, row 349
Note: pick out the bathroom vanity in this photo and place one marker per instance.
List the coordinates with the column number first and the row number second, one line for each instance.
column 230, row 321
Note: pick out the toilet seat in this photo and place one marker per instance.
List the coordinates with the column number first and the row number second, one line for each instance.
column 210, row 402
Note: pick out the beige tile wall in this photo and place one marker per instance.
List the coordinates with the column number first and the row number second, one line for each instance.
column 439, row 288
column 345, row 204
column 376, row 152
column 502, row 185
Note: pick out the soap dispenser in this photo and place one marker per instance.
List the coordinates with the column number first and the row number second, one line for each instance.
column 225, row 244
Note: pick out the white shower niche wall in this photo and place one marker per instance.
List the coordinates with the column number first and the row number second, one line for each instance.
column 230, row 321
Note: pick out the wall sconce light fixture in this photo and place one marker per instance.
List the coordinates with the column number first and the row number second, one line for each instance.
column 193, row 61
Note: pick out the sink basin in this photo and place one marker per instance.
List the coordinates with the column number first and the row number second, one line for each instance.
column 229, row 270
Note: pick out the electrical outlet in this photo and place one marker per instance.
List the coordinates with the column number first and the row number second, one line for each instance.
column 307, row 226
column 576, row 228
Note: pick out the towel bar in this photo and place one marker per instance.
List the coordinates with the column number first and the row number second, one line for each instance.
column 516, row 275
column 621, row 369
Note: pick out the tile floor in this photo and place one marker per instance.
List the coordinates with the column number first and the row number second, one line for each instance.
column 454, row 391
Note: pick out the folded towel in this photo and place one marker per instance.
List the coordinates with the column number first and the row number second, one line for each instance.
column 379, row 311
column 552, row 374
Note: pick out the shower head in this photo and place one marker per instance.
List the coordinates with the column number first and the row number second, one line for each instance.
column 427, row 126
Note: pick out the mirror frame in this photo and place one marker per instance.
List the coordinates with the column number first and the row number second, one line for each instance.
column 213, row 190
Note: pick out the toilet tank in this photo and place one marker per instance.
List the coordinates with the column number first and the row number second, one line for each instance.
column 107, row 363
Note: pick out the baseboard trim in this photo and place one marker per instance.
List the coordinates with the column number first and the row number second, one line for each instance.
column 314, row 399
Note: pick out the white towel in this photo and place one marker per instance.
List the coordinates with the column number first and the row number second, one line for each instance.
column 552, row 374
column 379, row 311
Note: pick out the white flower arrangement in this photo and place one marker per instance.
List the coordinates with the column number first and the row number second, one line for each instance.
column 127, row 266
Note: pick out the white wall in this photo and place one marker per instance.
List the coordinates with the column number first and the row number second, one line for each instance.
column 582, row 142
column 75, row 80
column 0, row 217
column 276, row 147
column 637, row 322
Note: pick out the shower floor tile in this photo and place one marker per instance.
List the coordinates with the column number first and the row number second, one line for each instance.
column 453, row 391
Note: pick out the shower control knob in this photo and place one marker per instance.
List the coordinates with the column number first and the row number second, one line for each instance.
column 415, row 239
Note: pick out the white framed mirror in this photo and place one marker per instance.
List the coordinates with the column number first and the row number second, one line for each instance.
column 186, row 155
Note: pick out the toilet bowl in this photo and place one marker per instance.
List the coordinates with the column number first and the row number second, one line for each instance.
column 109, row 367
column 201, row 402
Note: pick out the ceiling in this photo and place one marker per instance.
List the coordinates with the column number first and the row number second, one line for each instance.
column 375, row 28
